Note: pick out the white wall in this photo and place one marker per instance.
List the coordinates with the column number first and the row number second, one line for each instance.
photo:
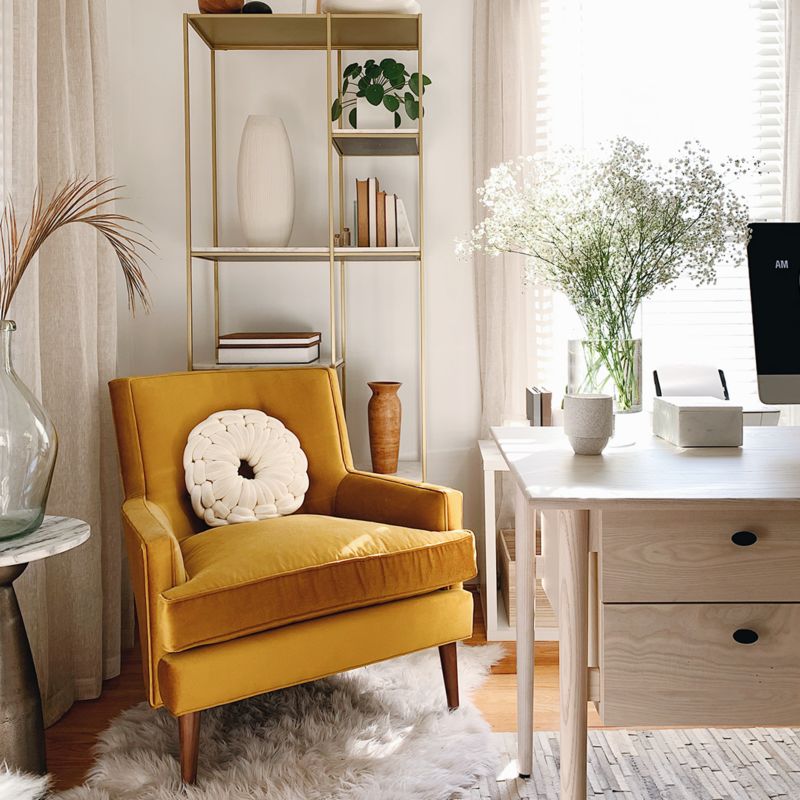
column 146, row 52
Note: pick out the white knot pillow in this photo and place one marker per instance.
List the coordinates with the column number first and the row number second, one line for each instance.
column 214, row 454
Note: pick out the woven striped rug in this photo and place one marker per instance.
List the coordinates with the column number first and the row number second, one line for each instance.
column 742, row 764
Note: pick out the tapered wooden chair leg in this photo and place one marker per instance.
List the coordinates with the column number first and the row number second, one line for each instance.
column 449, row 658
column 189, row 729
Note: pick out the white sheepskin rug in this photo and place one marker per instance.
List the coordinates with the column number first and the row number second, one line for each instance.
column 381, row 731
column 14, row 786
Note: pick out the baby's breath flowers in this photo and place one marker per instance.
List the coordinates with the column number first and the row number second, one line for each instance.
column 610, row 230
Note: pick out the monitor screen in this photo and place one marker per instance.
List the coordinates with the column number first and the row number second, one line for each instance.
column 773, row 256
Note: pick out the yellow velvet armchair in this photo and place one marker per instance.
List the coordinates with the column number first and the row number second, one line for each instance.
column 369, row 568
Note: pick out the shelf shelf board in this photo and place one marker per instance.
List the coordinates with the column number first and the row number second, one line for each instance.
column 262, row 253
column 251, row 254
column 313, row 365
column 398, row 142
column 307, row 31
column 377, row 254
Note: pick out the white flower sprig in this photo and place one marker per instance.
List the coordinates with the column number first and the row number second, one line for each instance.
column 609, row 231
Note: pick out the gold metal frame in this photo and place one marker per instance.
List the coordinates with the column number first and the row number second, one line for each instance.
column 332, row 33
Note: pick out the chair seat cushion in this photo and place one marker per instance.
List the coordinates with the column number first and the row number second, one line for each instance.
column 260, row 575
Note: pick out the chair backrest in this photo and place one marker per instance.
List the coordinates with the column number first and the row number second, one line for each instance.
column 690, row 380
column 154, row 415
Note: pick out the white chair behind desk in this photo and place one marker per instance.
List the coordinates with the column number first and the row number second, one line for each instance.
column 700, row 380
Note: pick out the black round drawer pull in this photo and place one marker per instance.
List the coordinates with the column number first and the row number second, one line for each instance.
column 744, row 538
column 745, row 636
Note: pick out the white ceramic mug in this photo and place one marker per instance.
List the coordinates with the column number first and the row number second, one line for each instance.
column 588, row 422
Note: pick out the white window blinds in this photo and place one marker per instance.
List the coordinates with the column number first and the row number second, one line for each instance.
column 663, row 74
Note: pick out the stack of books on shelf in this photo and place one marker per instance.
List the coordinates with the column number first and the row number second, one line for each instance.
column 380, row 218
column 284, row 347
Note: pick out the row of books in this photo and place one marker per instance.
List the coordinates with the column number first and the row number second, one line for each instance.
column 284, row 347
column 380, row 219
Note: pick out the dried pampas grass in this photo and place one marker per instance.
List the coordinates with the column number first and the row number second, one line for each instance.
column 79, row 200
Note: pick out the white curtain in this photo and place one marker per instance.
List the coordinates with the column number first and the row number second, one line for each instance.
column 77, row 606
column 513, row 319
column 506, row 78
column 791, row 154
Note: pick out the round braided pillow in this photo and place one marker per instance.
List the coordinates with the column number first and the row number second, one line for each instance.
column 213, row 458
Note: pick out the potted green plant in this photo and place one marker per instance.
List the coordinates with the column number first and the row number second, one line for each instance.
column 384, row 86
column 608, row 231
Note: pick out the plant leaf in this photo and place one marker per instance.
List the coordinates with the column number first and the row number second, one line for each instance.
column 413, row 83
column 352, row 71
column 369, row 62
column 336, row 109
column 353, row 117
column 393, row 69
column 398, row 82
column 392, row 102
column 372, row 72
column 412, row 107
column 374, row 94
column 363, row 82
column 397, row 120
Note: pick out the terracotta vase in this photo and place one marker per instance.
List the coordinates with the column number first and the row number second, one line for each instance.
column 384, row 412
column 220, row 6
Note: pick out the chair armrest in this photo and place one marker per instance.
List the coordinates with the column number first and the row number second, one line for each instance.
column 156, row 564
column 394, row 501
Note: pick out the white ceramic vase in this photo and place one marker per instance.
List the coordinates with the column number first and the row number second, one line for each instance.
column 588, row 422
column 266, row 182
column 370, row 117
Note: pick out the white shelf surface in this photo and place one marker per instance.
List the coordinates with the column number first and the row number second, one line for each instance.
column 283, row 254
column 508, row 633
column 491, row 457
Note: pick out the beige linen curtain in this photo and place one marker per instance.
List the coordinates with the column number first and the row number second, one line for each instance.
column 506, row 78
column 513, row 320
column 76, row 606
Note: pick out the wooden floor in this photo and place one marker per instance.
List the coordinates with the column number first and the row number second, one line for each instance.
column 70, row 741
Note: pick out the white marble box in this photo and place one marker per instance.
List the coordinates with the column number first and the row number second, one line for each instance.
column 698, row 421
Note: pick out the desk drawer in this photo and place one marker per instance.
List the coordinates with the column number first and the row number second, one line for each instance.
column 680, row 665
column 686, row 556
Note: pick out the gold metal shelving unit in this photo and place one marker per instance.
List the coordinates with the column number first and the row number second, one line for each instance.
column 334, row 34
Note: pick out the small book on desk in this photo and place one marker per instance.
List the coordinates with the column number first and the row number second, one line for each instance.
column 539, row 406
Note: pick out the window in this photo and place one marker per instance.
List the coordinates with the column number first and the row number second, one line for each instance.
column 661, row 74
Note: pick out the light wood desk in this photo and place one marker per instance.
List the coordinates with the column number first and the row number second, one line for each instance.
column 678, row 583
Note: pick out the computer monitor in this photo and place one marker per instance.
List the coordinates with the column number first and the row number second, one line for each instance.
column 773, row 257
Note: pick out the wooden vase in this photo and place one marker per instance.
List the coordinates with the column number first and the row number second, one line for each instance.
column 220, row 6
column 384, row 413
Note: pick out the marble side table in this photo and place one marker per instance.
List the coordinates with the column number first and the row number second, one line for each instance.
column 21, row 726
